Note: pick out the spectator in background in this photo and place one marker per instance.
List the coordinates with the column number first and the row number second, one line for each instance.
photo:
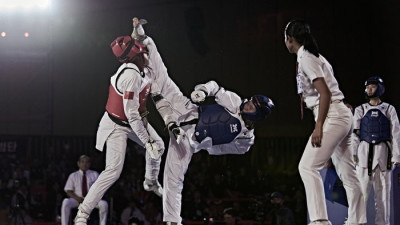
column 245, row 178
column 195, row 207
column 77, row 187
column 218, row 187
column 230, row 216
column 280, row 214
column 132, row 211
column 20, row 207
column 152, row 211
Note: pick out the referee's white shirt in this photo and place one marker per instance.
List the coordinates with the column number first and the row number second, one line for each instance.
column 74, row 182
column 311, row 68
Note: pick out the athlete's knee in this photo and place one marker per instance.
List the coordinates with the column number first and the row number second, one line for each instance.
column 66, row 204
column 350, row 179
column 303, row 168
column 113, row 172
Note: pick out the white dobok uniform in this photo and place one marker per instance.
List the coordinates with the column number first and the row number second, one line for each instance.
column 175, row 107
column 381, row 177
column 179, row 155
column 127, row 101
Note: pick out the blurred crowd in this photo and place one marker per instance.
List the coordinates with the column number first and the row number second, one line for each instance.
column 33, row 188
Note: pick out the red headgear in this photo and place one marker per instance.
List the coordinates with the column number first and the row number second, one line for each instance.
column 126, row 49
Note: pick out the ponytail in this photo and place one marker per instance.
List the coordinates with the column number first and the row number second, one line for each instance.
column 300, row 30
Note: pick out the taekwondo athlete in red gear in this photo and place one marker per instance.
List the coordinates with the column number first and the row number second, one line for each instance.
column 376, row 146
column 125, row 118
column 181, row 115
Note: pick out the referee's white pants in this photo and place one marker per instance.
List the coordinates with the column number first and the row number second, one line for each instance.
column 381, row 181
column 70, row 203
column 335, row 144
column 115, row 156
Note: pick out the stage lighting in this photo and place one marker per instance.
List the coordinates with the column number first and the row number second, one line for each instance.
column 3, row 34
column 26, row 4
column 26, row 34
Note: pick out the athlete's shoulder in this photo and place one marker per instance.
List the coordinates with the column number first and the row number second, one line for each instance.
column 130, row 68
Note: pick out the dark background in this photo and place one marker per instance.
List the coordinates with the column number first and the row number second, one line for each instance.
column 56, row 81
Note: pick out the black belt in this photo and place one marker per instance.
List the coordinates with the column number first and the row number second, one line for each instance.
column 118, row 121
column 371, row 156
column 193, row 121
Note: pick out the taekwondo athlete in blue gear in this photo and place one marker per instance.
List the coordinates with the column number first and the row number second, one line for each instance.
column 226, row 127
column 217, row 123
column 181, row 115
column 376, row 146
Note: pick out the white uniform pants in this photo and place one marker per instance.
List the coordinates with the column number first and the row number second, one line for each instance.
column 176, row 165
column 70, row 203
column 381, row 182
column 336, row 144
column 115, row 156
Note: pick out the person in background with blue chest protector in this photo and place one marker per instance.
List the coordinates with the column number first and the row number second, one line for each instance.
column 376, row 146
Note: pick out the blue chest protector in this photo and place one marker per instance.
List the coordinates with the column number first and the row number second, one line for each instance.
column 215, row 122
column 375, row 127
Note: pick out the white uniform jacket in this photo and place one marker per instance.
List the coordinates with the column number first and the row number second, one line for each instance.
column 311, row 68
column 380, row 150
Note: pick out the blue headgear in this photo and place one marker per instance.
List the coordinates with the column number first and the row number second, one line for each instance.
column 263, row 104
column 379, row 82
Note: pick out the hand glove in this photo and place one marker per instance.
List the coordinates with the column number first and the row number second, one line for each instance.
column 198, row 96
column 153, row 149
column 178, row 132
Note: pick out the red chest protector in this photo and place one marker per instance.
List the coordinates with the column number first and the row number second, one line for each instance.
column 115, row 105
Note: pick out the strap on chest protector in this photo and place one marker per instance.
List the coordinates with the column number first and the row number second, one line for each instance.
column 215, row 122
column 375, row 128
